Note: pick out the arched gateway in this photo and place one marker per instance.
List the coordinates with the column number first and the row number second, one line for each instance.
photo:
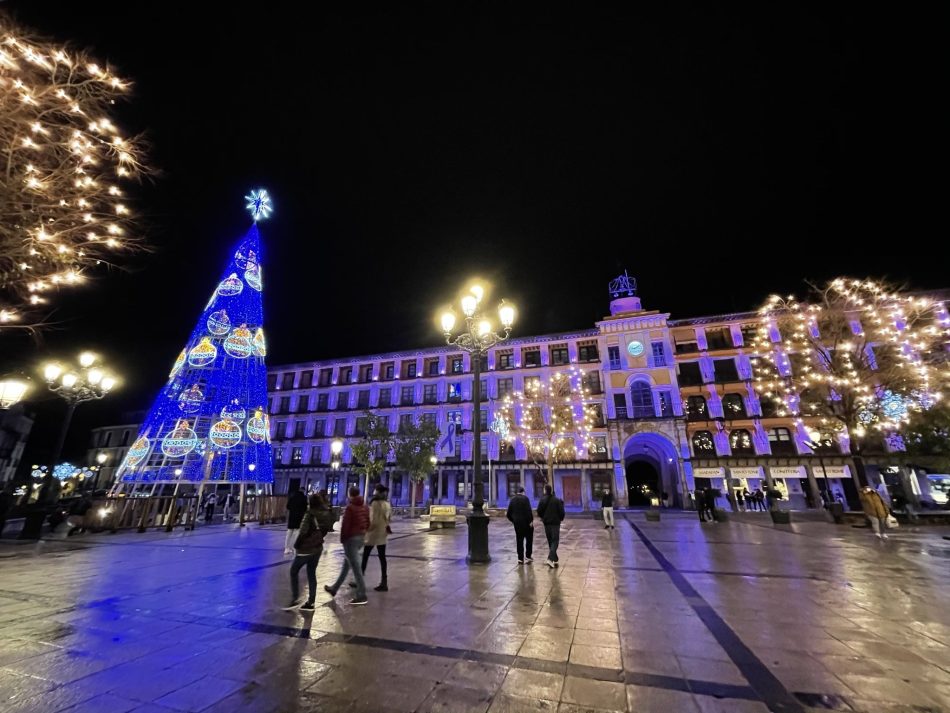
column 651, row 468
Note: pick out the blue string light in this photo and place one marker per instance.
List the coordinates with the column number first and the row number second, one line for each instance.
column 209, row 422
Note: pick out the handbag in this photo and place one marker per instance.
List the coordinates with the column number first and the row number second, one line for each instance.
column 312, row 539
column 892, row 521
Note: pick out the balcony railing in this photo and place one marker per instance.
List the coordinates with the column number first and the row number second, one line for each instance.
column 621, row 411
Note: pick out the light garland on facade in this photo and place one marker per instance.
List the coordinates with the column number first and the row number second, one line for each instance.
column 61, row 197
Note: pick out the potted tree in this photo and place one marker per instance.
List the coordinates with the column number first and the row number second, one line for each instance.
column 779, row 517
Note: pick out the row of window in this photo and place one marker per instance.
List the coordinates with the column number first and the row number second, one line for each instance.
column 409, row 368
column 740, row 443
column 105, row 439
column 320, row 455
column 657, row 356
column 407, row 395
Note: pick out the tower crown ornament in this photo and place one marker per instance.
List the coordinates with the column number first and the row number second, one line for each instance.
column 623, row 286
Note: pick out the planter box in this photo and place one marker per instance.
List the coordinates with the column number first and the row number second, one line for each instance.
column 781, row 517
column 837, row 512
column 653, row 515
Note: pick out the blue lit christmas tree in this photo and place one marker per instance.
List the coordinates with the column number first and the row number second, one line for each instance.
column 209, row 423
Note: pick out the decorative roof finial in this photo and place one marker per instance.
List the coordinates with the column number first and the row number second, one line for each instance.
column 623, row 285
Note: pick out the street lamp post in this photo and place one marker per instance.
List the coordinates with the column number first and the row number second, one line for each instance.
column 87, row 383
column 477, row 337
column 816, row 441
column 336, row 450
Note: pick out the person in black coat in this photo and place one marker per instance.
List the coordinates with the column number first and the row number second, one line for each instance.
column 522, row 517
column 296, row 507
column 551, row 512
column 607, row 506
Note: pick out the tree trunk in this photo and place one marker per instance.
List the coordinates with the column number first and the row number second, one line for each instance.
column 412, row 498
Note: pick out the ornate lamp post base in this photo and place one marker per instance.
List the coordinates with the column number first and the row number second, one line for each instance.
column 478, row 538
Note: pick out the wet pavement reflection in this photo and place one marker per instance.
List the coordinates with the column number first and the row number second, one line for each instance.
column 675, row 616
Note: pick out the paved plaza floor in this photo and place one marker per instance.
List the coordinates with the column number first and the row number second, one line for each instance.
column 675, row 616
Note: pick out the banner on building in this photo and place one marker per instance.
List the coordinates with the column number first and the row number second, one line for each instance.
column 446, row 446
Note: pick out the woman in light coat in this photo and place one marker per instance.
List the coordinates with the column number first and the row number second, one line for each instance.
column 876, row 510
column 380, row 515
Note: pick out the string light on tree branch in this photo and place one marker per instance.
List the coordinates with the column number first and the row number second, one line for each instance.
column 65, row 160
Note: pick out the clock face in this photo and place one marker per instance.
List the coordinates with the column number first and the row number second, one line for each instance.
column 635, row 348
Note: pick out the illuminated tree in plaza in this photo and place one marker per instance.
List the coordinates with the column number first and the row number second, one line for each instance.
column 552, row 419
column 856, row 355
column 209, row 422
column 62, row 210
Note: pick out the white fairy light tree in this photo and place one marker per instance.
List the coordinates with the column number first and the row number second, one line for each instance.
column 855, row 356
column 62, row 209
column 553, row 420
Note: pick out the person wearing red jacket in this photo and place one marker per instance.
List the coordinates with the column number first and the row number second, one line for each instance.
column 352, row 532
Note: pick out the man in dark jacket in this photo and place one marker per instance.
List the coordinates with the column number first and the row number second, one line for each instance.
column 307, row 548
column 607, row 506
column 352, row 532
column 551, row 512
column 521, row 516
column 296, row 507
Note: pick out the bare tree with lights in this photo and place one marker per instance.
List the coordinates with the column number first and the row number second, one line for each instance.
column 62, row 210
column 855, row 356
column 552, row 419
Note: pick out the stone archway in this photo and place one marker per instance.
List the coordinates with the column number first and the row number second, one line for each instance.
column 650, row 465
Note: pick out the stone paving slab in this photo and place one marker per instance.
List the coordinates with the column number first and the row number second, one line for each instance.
column 671, row 616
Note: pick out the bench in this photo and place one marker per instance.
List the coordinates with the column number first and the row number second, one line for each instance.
column 441, row 516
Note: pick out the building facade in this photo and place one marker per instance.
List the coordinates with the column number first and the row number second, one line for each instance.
column 677, row 411
column 15, row 427
column 108, row 446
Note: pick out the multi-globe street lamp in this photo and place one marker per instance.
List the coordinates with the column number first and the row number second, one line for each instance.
column 476, row 338
column 75, row 386
column 12, row 391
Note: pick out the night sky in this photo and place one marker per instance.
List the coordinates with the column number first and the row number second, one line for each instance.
column 718, row 154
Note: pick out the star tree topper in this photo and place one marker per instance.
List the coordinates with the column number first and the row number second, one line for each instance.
column 259, row 205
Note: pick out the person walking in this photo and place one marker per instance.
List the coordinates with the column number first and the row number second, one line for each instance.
column 607, row 506
column 701, row 503
column 209, row 507
column 380, row 515
column 551, row 512
column 352, row 531
column 228, row 502
column 316, row 522
column 522, row 517
column 876, row 510
column 296, row 507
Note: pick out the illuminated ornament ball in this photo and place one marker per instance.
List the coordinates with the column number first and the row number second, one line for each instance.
column 225, row 433
column 242, row 259
column 258, row 427
column 203, row 354
column 137, row 452
column 190, row 399
column 239, row 344
column 233, row 412
column 180, row 442
column 231, row 286
column 260, row 346
column 259, row 205
column 253, row 276
column 219, row 323
column 179, row 363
